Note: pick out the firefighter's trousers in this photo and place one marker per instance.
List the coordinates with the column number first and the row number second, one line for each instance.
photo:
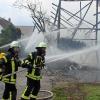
column 31, row 90
column 10, row 92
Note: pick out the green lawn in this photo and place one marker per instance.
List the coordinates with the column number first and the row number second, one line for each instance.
column 77, row 91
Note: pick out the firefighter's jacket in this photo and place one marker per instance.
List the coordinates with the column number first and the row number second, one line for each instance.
column 34, row 63
column 9, row 65
column 2, row 56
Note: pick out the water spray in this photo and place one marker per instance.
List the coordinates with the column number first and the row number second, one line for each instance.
column 63, row 56
column 19, row 41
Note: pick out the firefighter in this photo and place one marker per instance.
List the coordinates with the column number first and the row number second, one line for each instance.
column 34, row 62
column 2, row 56
column 10, row 65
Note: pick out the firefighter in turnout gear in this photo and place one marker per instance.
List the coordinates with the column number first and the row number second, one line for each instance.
column 10, row 65
column 34, row 62
column 2, row 56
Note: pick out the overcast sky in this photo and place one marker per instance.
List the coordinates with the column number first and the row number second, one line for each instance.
column 22, row 17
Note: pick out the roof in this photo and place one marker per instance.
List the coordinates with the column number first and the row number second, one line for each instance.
column 26, row 30
column 4, row 23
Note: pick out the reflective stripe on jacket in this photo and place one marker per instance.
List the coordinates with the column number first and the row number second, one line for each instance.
column 10, row 66
column 36, row 63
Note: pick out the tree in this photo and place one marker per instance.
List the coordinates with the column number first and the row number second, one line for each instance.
column 40, row 20
column 8, row 34
column 36, row 12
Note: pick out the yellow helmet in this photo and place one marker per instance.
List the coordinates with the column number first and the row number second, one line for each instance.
column 2, row 55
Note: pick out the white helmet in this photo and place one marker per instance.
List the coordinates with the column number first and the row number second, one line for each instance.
column 42, row 44
column 14, row 44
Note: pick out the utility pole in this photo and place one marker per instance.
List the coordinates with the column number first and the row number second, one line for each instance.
column 96, row 42
column 97, row 2
column 59, row 17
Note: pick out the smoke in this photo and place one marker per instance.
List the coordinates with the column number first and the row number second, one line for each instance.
column 99, row 3
column 33, row 41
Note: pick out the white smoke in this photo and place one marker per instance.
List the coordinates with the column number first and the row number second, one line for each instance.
column 99, row 3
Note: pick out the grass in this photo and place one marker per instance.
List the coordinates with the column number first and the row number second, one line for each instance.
column 59, row 93
column 93, row 91
column 77, row 91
